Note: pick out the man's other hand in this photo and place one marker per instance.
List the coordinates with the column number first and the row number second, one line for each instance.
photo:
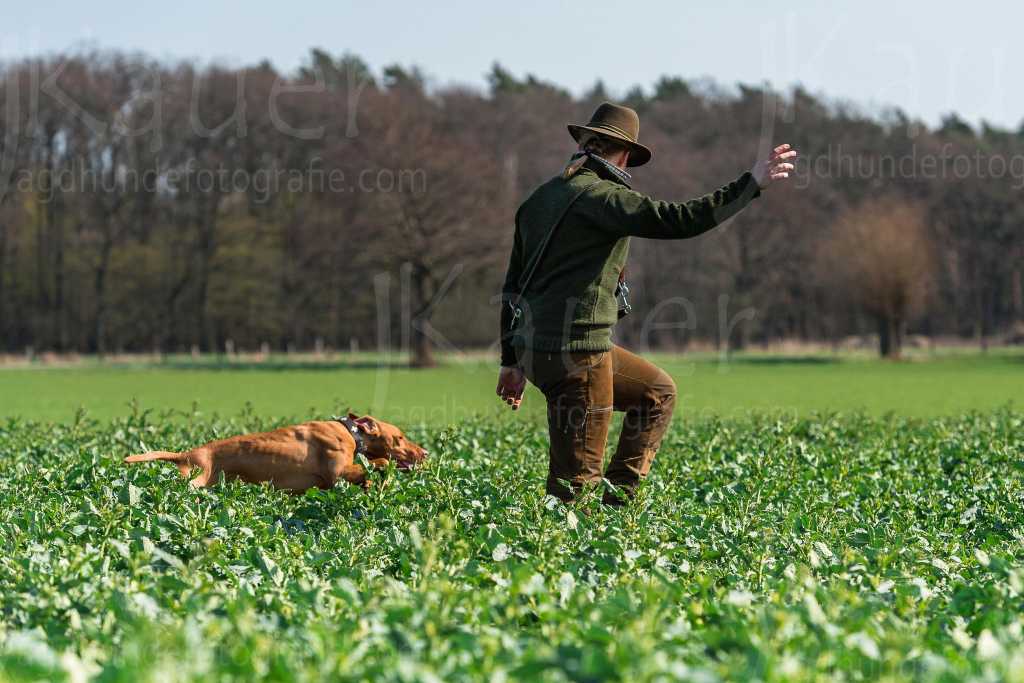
column 511, row 385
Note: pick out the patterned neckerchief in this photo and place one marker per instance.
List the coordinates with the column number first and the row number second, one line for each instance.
column 612, row 168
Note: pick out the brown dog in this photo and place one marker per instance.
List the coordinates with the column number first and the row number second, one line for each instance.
column 299, row 457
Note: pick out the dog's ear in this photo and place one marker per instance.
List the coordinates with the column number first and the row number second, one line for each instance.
column 368, row 425
column 352, row 416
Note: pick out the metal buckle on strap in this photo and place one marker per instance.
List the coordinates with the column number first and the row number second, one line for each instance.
column 517, row 313
column 622, row 293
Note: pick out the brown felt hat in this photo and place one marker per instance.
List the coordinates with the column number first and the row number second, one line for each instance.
column 618, row 123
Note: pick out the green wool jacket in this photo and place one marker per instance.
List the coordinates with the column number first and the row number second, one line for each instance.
column 569, row 304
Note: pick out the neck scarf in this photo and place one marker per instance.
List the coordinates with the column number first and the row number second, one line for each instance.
column 579, row 158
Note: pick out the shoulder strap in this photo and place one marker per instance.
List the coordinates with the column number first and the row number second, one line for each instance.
column 525, row 281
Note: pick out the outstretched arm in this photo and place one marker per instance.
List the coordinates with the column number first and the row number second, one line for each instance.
column 625, row 212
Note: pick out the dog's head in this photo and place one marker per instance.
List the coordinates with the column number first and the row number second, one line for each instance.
column 384, row 440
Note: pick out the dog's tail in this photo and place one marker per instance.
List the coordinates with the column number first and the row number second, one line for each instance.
column 181, row 460
column 156, row 455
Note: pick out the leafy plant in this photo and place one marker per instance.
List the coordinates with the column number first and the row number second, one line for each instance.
column 774, row 548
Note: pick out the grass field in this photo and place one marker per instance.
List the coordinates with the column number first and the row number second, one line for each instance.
column 942, row 386
column 761, row 548
column 771, row 542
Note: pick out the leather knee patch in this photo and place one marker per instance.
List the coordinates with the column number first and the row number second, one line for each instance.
column 664, row 391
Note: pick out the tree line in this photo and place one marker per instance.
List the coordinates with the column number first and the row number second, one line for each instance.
column 155, row 206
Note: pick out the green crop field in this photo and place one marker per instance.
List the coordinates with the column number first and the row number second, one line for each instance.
column 810, row 520
column 707, row 387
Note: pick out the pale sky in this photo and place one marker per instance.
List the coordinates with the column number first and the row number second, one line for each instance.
column 928, row 57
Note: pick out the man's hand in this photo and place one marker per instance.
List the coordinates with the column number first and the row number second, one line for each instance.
column 511, row 385
column 778, row 166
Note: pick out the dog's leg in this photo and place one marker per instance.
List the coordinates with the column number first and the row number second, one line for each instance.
column 354, row 474
column 359, row 474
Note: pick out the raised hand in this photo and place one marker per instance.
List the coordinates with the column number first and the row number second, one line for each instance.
column 778, row 166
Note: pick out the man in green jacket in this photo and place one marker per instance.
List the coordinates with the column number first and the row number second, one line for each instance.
column 560, row 301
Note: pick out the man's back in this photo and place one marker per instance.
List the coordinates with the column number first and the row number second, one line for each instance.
column 570, row 301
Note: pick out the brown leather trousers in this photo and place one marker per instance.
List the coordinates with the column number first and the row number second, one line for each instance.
column 582, row 391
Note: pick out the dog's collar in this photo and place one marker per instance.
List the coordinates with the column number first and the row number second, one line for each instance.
column 357, row 434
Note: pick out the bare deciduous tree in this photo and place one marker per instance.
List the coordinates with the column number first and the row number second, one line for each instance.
column 880, row 254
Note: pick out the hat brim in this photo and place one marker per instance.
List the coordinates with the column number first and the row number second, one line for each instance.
column 638, row 154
